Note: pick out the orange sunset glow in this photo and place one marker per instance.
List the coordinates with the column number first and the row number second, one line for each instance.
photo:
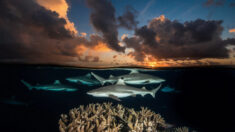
column 101, row 47
column 61, row 7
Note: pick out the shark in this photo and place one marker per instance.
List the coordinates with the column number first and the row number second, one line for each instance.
column 133, row 78
column 56, row 86
column 85, row 80
column 121, row 90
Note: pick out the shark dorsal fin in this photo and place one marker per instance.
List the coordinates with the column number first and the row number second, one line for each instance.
column 57, row 82
column 143, row 88
column 120, row 82
column 134, row 71
column 111, row 76
column 88, row 75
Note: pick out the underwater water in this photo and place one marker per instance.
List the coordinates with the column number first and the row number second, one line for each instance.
column 200, row 98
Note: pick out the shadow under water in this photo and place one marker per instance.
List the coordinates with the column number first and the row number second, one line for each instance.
column 201, row 98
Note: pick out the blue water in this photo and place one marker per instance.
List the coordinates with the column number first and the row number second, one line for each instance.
column 206, row 96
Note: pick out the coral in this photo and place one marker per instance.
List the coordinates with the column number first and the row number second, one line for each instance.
column 110, row 118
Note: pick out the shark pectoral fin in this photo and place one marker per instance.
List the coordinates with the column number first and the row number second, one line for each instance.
column 114, row 97
column 133, row 95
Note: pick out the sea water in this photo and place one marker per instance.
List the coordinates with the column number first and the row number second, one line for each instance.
column 204, row 100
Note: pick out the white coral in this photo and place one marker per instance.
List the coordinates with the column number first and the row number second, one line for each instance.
column 108, row 118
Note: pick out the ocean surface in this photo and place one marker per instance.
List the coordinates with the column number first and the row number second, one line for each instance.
column 201, row 98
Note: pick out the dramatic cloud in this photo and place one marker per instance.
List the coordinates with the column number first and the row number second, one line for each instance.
column 32, row 33
column 39, row 31
column 165, row 39
column 128, row 19
column 61, row 7
column 214, row 2
column 103, row 19
column 24, row 24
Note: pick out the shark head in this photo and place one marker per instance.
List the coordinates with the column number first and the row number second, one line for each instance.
column 96, row 93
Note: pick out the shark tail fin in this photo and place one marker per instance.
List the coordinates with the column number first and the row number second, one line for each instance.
column 154, row 91
column 100, row 79
column 29, row 86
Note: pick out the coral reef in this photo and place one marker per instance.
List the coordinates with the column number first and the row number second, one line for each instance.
column 106, row 117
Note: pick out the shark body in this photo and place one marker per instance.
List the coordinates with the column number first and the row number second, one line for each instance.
column 85, row 80
column 120, row 90
column 56, row 86
column 133, row 78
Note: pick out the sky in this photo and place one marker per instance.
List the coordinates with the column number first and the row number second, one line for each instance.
column 110, row 33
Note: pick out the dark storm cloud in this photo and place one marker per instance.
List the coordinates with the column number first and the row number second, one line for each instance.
column 147, row 34
column 174, row 40
column 26, row 28
column 103, row 19
column 214, row 2
column 190, row 32
column 31, row 33
column 28, row 13
column 128, row 19
column 229, row 41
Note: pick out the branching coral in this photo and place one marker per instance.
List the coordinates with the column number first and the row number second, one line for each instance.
column 109, row 118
